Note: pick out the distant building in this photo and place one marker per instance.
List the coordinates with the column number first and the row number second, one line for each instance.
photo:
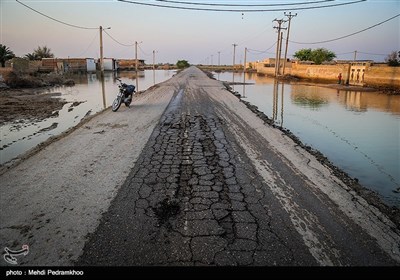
column 68, row 65
column 23, row 64
column 109, row 64
column 270, row 62
column 18, row 63
column 130, row 64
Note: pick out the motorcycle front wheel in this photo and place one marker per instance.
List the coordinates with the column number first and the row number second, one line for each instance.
column 117, row 102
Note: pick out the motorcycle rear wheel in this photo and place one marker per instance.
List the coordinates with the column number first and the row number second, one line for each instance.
column 127, row 103
column 116, row 103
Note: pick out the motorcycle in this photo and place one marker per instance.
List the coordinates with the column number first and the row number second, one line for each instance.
column 124, row 95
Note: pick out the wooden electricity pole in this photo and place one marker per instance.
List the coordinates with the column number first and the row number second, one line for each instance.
column 136, row 67
column 234, row 54
column 101, row 52
column 289, row 16
column 278, row 44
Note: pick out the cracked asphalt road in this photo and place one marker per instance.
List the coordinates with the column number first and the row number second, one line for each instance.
column 209, row 189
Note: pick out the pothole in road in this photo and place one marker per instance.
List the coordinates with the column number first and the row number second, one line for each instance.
column 166, row 210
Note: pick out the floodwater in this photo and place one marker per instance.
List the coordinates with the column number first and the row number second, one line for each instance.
column 357, row 131
column 95, row 95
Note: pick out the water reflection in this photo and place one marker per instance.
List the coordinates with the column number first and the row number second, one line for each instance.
column 103, row 92
column 278, row 103
column 282, row 106
column 357, row 131
column 308, row 97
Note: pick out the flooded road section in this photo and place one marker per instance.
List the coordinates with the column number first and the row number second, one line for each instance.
column 358, row 131
column 89, row 96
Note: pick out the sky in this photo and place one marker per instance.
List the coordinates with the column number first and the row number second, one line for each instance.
column 201, row 37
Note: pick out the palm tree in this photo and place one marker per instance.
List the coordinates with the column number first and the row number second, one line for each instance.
column 31, row 56
column 5, row 54
column 42, row 52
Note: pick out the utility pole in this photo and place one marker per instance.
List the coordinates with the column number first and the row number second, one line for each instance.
column 280, row 52
column 219, row 56
column 101, row 51
column 212, row 56
column 136, row 67
column 154, row 60
column 154, row 67
column 245, row 58
column 277, row 58
column 289, row 16
column 234, row 54
column 244, row 71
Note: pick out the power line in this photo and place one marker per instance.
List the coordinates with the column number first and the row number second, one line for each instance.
column 360, row 52
column 372, row 53
column 59, row 21
column 241, row 11
column 125, row 45
column 253, row 37
column 145, row 53
column 345, row 53
column 91, row 43
column 260, row 52
column 342, row 37
column 243, row 5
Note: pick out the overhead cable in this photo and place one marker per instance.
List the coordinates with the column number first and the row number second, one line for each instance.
column 260, row 52
column 125, row 45
column 91, row 43
column 243, row 5
column 145, row 53
column 242, row 10
column 372, row 53
column 342, row 37
column 59, row 21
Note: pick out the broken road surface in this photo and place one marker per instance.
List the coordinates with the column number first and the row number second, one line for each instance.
column 215, row 186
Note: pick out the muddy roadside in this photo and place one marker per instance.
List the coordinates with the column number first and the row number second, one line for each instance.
column 26, row 97
column 28, row 104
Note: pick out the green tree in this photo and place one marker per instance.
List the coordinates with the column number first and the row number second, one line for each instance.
column 182, row 64
column 5, row 54
column 303, row 54
column 317, row 56
column 40, row 52
column 393, row 59
column 321, row 55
